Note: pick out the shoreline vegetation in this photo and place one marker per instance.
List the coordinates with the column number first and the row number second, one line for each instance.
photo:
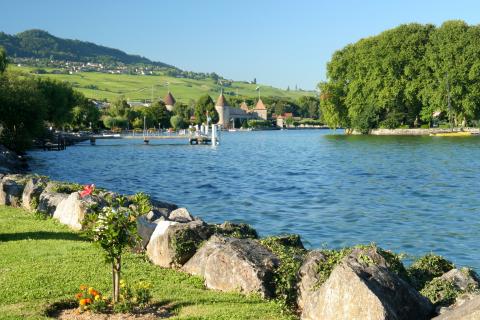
column 231, row 257
column 411, row 76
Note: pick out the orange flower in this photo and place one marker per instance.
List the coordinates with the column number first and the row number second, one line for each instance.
column 95, row 293
column 83, row 287
column 90, row 290
column 88, row 300
column 83, row 302
column 79, row 295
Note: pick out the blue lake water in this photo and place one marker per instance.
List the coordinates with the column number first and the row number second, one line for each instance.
column 408, row 194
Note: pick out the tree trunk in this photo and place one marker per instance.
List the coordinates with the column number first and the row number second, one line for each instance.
column 116, row 266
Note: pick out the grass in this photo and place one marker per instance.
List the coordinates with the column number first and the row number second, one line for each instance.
column 138, row 87
column 42, row 262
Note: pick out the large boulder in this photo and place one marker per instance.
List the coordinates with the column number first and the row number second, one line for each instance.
column 48, row 201
column 463, row 279
column 10, row 162
column 180, row 215
column 309, row 276
column 72, row 210
column 362, row 287
column 31, row 194
column 470, row 310
column 145, row 229
column 163, row 206
column 11, row 189
column 232, row 264
column 173, row 243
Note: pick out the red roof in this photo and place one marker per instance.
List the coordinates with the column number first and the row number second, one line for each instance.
column 260, row 105
column 169, row 99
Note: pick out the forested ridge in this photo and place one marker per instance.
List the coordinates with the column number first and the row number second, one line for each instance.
column 404, row 77
column 41, row 44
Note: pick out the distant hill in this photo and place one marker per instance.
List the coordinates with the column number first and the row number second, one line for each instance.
column 41, row 44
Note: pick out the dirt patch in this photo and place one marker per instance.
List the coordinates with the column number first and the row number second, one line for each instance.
column 65, row 311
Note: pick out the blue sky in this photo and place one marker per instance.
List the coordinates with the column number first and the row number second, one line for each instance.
column 281, row 43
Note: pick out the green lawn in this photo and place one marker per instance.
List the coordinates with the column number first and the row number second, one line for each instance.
column 137, row 87
column 42, row 262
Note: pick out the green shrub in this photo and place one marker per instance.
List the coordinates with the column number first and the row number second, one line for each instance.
column 440, row 292
column 34, row 203
column 425, row 126
column 236, row 230
column 142, row 203
column 394, row 262
column 185, row 243
column 291, row 255
column 424, row 269
column 332, row 259
column 64, row 187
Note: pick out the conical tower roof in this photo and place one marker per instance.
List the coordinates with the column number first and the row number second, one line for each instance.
column 260, row 105
column 244, row 106
column 169, row 99
column 221, row 101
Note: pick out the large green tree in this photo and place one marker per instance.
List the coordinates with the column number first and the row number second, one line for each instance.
column 404, row 75
column 3, row 60
column 85, row 114
column 22, row 111
column 205, row 104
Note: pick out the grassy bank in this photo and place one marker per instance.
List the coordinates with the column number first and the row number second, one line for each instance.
column 111, row 86
column 42, row 262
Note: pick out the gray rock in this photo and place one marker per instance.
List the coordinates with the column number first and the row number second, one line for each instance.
column 49, row 201
column 232, row 264
column 11, row 189
column 308, row 275
column 163, row 206
column 72, row 210
column 145, row 229
column 10, row 162
column 463, row 279
column 180, row 215
column 173, row 243
column 361, row 287
column 156, row 214
column 31, row 193
column 470, row 310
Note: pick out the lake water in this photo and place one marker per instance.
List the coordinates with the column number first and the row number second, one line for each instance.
column 408, row 194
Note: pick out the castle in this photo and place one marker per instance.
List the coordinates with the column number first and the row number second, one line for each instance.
column 227, row 115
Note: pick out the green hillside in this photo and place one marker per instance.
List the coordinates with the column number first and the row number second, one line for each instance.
column 99, row 86
column 42, row 45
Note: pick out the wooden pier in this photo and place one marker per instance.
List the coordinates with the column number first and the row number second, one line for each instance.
column 193, row 140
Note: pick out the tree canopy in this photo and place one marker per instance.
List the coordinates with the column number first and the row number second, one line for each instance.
column 402, row 76
column 205, row 104
column 3, row 60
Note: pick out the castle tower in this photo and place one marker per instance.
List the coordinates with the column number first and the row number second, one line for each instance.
column 223, row 111
column 261, row 110
column 244, row 107
column 169, row 101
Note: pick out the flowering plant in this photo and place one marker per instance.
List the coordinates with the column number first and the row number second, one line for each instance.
column 87, row 190
column 90, row 299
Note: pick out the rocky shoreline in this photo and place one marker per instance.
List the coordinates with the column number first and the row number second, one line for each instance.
column 362, row 282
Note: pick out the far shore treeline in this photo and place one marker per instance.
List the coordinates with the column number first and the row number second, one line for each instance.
column 34, row 107
column 403, row 77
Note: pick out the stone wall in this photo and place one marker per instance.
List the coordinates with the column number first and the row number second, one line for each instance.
column 414, row 132
column 363, row 283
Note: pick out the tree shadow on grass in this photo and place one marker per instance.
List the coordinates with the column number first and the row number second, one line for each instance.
column 42, row 235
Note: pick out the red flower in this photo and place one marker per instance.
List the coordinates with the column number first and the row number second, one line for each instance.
column 87, row 190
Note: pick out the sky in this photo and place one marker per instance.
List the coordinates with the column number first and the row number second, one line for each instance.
column 280, row 43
